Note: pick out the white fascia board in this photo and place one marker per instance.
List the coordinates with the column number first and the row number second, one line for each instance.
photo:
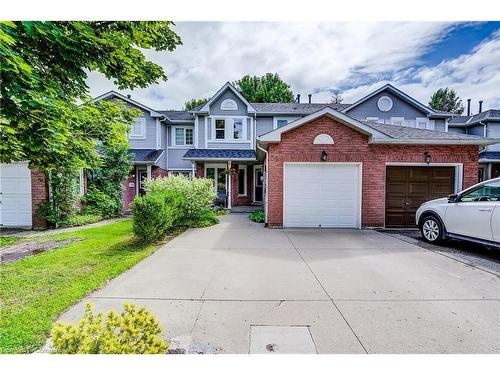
column 479, row 142
column 206, row 107
column 396, row 92
column 275, row 135
column 152, row 112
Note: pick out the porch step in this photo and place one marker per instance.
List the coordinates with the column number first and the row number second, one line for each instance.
column 245, row 209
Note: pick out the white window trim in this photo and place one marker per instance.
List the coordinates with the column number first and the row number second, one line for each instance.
column 229, row 105
column 215, row 174
column 81, row 183
column 142, row 121
column 243, row 168
column 228, row 128
column 422, row 120
column 374, row 119
column 288, row 119
column 174, row 138
column 394, row 119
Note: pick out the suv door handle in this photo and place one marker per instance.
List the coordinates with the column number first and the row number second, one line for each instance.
column 485, row 209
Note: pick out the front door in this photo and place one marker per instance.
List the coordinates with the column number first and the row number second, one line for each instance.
column 258, row 183
column 142, row 177
column 219, row 176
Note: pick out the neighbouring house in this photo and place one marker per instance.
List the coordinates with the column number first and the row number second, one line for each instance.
column 484, row 124
column 366, row 164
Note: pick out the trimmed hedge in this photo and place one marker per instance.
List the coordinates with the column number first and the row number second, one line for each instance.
column 173, row 202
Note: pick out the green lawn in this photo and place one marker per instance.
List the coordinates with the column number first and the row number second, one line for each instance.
column 35, row 290
column 8, row 240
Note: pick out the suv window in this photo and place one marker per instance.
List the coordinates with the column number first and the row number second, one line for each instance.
column 489, row 192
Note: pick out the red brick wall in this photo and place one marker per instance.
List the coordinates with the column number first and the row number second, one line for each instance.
column 129, row 192
column 39, row 194
column 352, row 146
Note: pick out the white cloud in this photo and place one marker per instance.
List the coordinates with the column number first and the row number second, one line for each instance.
column 312, row 57
column 474, row 75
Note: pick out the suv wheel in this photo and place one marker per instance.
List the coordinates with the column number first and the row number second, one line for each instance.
column 431, row 229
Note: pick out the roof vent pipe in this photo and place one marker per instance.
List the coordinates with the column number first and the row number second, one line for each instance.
column 310, row 96
column 480, row 106
column 298, row 98
column 129, row 96
column 468, row 107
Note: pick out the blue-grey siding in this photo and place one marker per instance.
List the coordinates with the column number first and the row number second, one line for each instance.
column 457, row 129
column 230, row 145
column 264, row 125
column 400, row 108
column 175, row 160
column 201, row 131
column 228, row 94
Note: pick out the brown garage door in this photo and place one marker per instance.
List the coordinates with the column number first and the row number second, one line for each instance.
column 408, row 187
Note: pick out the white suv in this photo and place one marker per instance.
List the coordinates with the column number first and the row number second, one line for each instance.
column 472, row 215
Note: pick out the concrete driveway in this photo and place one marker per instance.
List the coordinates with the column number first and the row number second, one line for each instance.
column 239, row 287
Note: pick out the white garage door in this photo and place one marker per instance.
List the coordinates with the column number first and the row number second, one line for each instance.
column 321, row 195
column 15, row 197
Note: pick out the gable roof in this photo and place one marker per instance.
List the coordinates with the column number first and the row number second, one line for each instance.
column 112, row 93
column 430, row 112
column 146, row 155
column 381, row 133
column 489, row 115
column 206, row 106
column 295, row 108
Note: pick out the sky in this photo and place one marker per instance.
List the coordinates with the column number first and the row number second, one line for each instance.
column 320, row 58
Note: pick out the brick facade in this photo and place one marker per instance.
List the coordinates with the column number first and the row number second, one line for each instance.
column 39, row 194
column 352, row 146
column 130, row 188
column 245, row 200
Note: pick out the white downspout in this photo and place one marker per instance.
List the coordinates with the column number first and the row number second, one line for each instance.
column 266, row 164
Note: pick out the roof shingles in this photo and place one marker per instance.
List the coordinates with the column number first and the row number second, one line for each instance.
column 220, row 154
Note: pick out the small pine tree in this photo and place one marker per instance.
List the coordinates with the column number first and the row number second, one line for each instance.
column 446, row 100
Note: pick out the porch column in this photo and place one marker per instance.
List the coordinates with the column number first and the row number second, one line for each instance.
column 228, row 183
column 148, row 171
column 193, row 169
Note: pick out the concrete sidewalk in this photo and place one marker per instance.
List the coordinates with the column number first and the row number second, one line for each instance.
column 240, row 288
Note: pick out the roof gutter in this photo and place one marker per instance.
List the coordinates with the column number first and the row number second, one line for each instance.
column 478, row 142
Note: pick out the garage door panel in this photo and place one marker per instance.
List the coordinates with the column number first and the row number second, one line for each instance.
column 416, row 186
column 15, row 186
column 323, row 195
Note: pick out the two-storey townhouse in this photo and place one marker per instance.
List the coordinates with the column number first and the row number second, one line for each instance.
column 366, row 164
column 484, row 124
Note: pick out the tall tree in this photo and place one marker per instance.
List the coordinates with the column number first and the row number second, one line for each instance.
column 269, row 88
column 193, row 103
column 47, row 115
column 446, row 100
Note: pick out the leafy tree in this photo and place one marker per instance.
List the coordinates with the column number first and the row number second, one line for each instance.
column 269, row 88
column 446, row 100
column 47, row 116
column 193, row 103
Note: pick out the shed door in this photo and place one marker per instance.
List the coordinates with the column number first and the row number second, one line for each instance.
column 408, row 187
column 321, row 195
column 15, row 195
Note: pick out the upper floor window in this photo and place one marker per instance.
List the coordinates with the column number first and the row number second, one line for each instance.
column 397, row 121
column 230, row 128
column 238, row 129
column 282, row 121
column 220, row 129
column 183, row 136
column 138, row 129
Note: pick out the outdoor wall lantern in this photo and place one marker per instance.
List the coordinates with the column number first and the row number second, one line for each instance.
column 324, row 155
column 427, row 157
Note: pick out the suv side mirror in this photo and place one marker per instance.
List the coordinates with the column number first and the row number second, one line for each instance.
column 452, row 198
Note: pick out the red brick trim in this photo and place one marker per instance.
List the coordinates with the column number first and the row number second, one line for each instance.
column 39, row 195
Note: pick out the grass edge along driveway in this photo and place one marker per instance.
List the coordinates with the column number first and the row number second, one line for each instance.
column 35, row 290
